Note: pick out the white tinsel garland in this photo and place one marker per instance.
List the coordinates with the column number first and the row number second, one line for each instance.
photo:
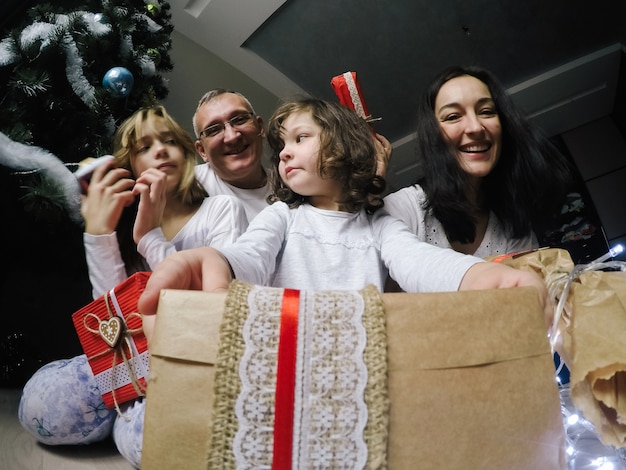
column 8, row 52
column 37, row 31
column 126, row 46
column 109, row 124
column 23, row 157
column 74, row 71
column 95, row 27
column 153, row 26
column 148, row 67
column 43, row 32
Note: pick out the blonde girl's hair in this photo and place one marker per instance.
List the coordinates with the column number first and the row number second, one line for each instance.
column 347, row 154
column 144, row 120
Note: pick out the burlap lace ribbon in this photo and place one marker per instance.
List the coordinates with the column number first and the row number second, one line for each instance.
column 228, row 385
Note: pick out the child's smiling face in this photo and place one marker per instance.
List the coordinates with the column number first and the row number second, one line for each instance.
column 299, row 162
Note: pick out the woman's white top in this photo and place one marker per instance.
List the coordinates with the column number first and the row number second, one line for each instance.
column 407, row 204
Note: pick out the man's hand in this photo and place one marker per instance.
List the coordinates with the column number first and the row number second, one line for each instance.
column 383, row 154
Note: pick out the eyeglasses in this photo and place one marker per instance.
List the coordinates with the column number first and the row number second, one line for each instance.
column 235, row 122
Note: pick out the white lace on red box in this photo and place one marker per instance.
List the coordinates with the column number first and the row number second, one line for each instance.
column 348, row 90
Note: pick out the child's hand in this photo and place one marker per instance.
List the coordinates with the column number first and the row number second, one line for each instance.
column 151, row 186
column 195, row 269
column 495, row 276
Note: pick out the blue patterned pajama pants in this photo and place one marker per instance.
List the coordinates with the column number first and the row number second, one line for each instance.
column 62, row 405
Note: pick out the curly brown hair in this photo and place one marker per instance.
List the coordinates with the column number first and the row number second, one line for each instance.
column 347, row 154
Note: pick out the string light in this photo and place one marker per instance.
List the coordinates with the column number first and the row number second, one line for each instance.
column 584, row 450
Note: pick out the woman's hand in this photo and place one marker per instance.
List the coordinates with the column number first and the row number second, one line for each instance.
column 491, row 275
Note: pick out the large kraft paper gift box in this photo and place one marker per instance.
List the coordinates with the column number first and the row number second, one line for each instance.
column 461, row 380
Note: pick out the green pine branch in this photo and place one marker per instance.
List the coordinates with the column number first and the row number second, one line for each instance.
column 58, row 55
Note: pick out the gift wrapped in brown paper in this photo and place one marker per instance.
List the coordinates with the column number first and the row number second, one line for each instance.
column 362, row 380
column 589, row 334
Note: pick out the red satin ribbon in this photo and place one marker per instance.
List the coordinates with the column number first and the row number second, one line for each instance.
column 286, row 381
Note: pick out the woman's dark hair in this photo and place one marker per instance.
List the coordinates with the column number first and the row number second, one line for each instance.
column 347, row 154
column 527, row 184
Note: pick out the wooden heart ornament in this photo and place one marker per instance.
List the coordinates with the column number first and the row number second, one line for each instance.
column 111, row 330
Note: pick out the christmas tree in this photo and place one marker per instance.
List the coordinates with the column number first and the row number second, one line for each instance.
column 53, row 60
column 70, row 72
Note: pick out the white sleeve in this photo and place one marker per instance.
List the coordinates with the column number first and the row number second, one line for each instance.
column 104, row 262
column 253, row 256
column 418, row 266
column 154, row 247
column 406, row 205
column 217, row 223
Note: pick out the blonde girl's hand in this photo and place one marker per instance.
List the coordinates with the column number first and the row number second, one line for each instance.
column 109, row 192
column 151, row 186
column 383, row 154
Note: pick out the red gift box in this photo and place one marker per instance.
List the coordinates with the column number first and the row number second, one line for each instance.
column 110, row 332
column 348, row 90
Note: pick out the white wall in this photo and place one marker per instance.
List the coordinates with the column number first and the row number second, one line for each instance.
column 197, row 71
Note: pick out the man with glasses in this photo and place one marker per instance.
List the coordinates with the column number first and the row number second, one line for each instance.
column 230, row 140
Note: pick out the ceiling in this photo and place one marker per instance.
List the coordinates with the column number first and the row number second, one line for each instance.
column 559, row 58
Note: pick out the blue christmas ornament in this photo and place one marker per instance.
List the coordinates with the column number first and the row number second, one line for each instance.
column 118, row 81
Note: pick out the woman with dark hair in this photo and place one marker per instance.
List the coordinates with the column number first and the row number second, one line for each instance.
column 486, row 175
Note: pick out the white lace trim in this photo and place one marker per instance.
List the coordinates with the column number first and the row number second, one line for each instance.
column 120, row 375
column 329, row 410
column 354, row 95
